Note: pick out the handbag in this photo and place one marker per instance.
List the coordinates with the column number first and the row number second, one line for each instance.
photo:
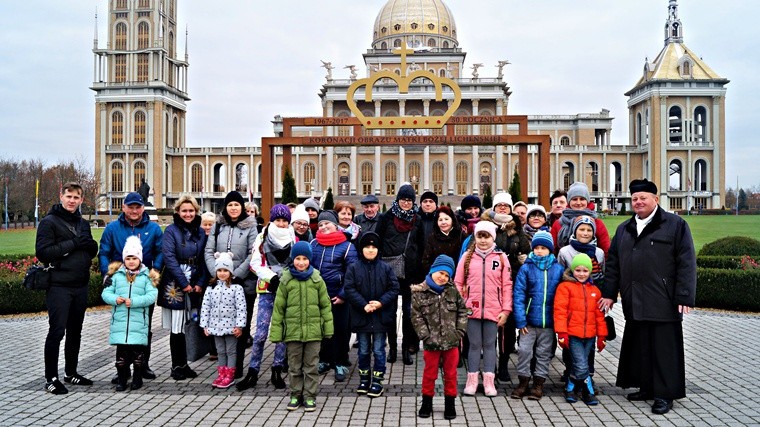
column 197, row 343
column 37, row 277
column 611, row 334
column 398, row 262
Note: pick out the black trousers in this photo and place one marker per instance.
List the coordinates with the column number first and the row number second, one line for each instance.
column 335, row 350
column 66, row 308
column 250, row 300
column 410, row 340
column 127, row 354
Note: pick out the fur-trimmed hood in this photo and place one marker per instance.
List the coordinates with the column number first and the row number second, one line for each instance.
column 504, row 222
column 153, row 275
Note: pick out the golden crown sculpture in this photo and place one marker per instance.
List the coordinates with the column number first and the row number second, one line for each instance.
column 403, row 81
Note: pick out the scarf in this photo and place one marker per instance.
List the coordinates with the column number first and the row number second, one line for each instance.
column 438, row 289
column 403, row 226
column 330, row 239
column 530, row 231
column 401, row 214
column 301, row 275
column 471, row 224
column 566, row 221
column 542, row 262
column 353, row 229
column 276, row 246
column 585, row 248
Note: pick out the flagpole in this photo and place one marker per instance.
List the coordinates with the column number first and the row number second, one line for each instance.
column 6, row 203
column 36, row 202
column 202, row 208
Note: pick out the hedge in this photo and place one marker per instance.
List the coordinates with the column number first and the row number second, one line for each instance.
column 732, row 246
column 14, row 298
column 724, row 262
column 728, row 289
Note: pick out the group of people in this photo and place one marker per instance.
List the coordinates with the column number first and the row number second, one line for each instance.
column 472, row 282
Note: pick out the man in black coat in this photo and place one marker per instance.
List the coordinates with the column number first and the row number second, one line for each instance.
column 65, row 241
column 652, row 264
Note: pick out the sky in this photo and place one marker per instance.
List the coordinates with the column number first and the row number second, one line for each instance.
column 250, row 61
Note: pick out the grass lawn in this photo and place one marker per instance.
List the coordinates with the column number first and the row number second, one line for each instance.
column 704, row 229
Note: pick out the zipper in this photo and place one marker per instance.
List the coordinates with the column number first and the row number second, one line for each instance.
column 126, row 332
column 585, row 310
column 543, row 306
column 483, row 292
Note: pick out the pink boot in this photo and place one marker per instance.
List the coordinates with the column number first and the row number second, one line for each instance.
column 472, row 384
column 220, row 370
column 228, row 378
column 488, row 384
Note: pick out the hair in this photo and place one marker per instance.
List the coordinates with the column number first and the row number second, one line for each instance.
column 186, row 198
column 208, row 216
column 342, row 204
column 520, row 203
column 71, row 187
column 291, row 205
column 254, row 206
column 557, row 193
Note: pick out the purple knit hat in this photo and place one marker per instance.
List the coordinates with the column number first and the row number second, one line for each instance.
column 279, row 211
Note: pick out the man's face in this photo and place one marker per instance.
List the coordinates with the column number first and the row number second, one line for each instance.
column 370, row 209
column 428, row 206
column 71, row 200
column 133, row 212
column 644, row 203
column 559, row 204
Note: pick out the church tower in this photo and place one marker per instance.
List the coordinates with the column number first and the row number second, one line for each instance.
column 677, row 118
column 140, row 99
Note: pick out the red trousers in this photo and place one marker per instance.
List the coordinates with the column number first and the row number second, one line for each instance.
column 430, row 373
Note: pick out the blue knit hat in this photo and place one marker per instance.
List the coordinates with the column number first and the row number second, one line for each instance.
column 543, row 238
column 279, row 211
column 584, row 219
column 301, row 248
column 443, row 263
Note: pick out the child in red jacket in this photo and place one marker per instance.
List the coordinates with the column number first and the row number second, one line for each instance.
column 578, row 323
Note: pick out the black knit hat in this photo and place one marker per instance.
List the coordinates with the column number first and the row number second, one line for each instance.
column 429, row 195
column 638, row 185
column 406, row 192
column 471, row 201
column 369, row 238
column 233, row 196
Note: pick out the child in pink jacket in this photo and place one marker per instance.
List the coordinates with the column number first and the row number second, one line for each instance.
column 483, row 278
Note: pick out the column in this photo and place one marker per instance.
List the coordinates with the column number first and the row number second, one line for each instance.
column 353, row 173
column 500, row 130
column 377, row 171
column 425, row 178
column 330, row 151
column 401, row 152
column 475, row 155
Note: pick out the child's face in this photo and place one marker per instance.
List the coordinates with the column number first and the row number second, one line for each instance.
column 536, row 220
column 584, row 233
column 132, row 262
column 581, row 273
column 301, row 263
column 206, row 226
column 281, row 223
column 444, row 222
column 540, row 250
column 483, row 240
column 440, row 277
column 369, row 252
column 223, row 274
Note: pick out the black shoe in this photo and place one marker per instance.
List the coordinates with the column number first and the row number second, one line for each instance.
column 250, row 380
column 137, row 380
column 662, row 406
column 391, row 357
column 188, row 372
column 115, row 378
column 55, row 387
column 449, row 411
column 76, row 379
column 426, row 409
column 148, row 373
column 639, row 396
column 178, row 374
column 406, row 357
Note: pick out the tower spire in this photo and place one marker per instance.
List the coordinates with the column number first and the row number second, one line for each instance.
column 186, row 50
column 673, row 27
column 95, row 34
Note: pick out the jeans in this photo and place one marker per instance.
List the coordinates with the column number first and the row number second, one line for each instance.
column 66, row 308
column 377, row 341
column 579, row 349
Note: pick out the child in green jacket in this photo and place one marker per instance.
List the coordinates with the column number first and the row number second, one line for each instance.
column 302, row 317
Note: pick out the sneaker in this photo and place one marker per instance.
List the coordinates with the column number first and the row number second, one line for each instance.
column 310, row 405
column 77, row 379
column 323, row 368
column 340, row 373
column 55, row 387
column 295, row 403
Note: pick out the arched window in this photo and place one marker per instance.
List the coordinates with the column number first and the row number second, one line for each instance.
column 485, row 177
column 431, row 42
column 196, row 178
column 117, row 177
column 565, row 140
column 440, row 131
column 241, row 178
column 171, row 44
column 384, row 45
column 442, row 72
column 142, row 67
column 639, row 128
column 437, row 172
column 367, row 178
column 120, row 39
column 700, row 175
column 486, row 129
column 415, row 175
column 220, row 177
column 700, row 125
column 676, row 175
column 343, row 130
column 616, row 177
column 445, row 45
column 309, row 177
column 391, row 177
column 344, row 179
column 568, row 175
column 397, row 43
column 117, row 128
column 120, row 68
column 390, row 132
column 675, row 125
column 139, row 127
column 462, row 178
column 175, row 130
column 593, row 170
column 138, row 172
column 143, row 35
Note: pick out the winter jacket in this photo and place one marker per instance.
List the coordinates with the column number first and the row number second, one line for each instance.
column 438, row 243
column 223, row 309
column 130, row 325
column 64, row 239
column 371, row 281
column 428, row 225
column 533, row 295
column 510, row 238
column 439, row 320
column 567, row 253
column 265, row 264
column 238, row 240
column 576, row 312
column 602, row 235
column 367, row 224
column 115, row 235
column 182, row 247
column 487, row 288
column 654, row 272
column 394, row 243
column 332, row 263
column 302, row 310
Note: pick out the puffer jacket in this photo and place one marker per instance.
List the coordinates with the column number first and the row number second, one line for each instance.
column 56, row 243
column 130, row 325
column 371, row 281
column 510, row 238
column 183, row 246
column 302, row 310
column 332, row 263
column 238, row 240
column 576, row 312
column 533, row 295
column 115, row 235
column 223, row 309
column 439, row 320
column 487, row 287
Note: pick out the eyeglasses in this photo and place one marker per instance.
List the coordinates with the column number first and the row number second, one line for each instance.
column 300, row 224
column 501, row 205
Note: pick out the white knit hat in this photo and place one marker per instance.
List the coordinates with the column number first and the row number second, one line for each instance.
column 502, row 198
column 132, row 247
column 299, row 214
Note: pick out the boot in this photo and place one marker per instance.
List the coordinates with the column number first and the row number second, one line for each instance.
column 522, row 388
column 449, row 411
column 537, row 392
column 376, row 389
column 364, row 381
column 587, row 392
column 406, row 356
column 571, row 390
column 503, row 372
column 489, row 389
column 122, row 376
column 178, row 373
column 392, row 350
column 137, row 378
column 426, row 409
column 220, row 372
column 276, row 379
column 250, row 380
column 228, row 377
column 472, row 384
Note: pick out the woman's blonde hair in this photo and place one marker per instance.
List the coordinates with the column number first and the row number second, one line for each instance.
column 251, row 205
column 186, row 198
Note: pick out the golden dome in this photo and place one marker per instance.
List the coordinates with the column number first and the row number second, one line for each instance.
column 417, row 23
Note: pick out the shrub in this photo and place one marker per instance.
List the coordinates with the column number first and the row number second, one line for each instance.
column 728, row 289
column 732, row 246
column 721, row 262
column 14, row 298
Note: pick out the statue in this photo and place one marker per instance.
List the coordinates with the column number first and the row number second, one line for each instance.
column 501, row 66
column 144, row 191
column 475, row 67
column 351, row 68
column 328, row 66
column 413, row 67
column 449, row 69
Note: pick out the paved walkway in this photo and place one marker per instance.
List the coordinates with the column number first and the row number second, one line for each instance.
column 723, row 387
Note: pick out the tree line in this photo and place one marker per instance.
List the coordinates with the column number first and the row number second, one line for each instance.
column 748, row 198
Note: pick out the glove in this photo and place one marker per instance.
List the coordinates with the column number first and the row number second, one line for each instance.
column 601, row 342
column 563, row 340
column 274, row 283
column 107, row 281
column 523, row 257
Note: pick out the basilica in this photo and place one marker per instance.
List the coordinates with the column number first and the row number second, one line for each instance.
column 676, row 124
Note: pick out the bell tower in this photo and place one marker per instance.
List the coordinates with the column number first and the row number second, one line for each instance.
column 140, row 89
